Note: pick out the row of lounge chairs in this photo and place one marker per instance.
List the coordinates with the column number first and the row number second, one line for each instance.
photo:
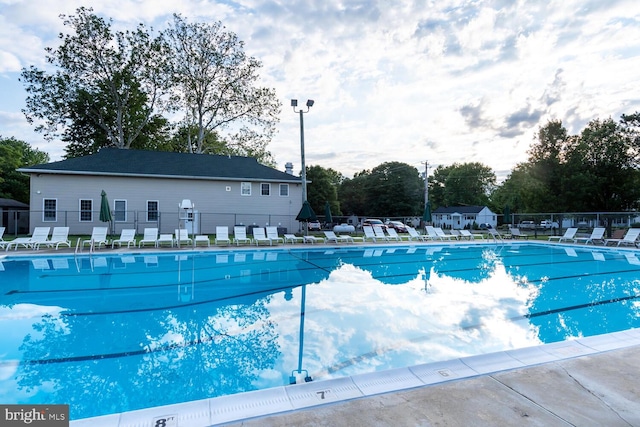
column 269, row 235
column 40, row 237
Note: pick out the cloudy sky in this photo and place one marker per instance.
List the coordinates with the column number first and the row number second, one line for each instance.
column 410, row 81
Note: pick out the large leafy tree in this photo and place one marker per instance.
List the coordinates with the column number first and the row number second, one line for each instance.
column 217, row 85
column 323, row 188
column 353, row 200
column 601, row 169
column 392, row 189
column 546, row 166
column 461, row 184
column 15, row 154
column 106, row 89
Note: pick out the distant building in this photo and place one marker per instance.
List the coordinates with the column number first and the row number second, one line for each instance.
column 460, row 217
column 14, row 216
column 145, row 189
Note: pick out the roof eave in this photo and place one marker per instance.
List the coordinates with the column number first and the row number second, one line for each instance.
column 140, row 175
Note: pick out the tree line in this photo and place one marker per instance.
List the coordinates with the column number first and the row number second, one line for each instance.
column 596, row 170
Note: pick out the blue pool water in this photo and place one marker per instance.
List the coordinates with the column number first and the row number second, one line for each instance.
column 115, row 333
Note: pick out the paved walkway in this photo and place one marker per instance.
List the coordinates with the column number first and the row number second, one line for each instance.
column 596, row 390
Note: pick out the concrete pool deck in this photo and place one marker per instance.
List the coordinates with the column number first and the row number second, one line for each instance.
column 588, row 381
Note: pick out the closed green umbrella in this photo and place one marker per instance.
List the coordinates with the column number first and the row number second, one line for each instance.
column 426, row 217
column 327, row 213
column 306, row 214
column 105, row 212
column 507, row 215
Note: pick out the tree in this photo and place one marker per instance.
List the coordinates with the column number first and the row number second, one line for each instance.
column 351, row 195
column 391, row 189
column 461, row 184
column 217, row 88
column 15, row 154
column 546, row 159
column 518, row 191
column 601, row 169
column 107, row 85
column 323, row 189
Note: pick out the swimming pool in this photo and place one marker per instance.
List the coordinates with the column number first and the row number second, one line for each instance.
column 115, row 333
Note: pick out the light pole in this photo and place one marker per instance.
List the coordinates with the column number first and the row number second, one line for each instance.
column 294, row 104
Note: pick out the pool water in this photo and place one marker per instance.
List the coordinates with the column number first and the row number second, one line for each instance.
column 115, row 333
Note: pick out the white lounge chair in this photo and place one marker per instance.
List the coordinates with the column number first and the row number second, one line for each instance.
column 466, row 234
column 569, row 235
column 2, row 241
column 98, row 237
column 40, row 236
column 369, row 234
column 456, row 234
column 431, row 233
column 59, row 236
column 630, row 238
column 201, row 239
column 292, row 238
column 149, row 236
column 597, row 235
column 128, row 236
column 312, row 239
column 495, row 234
column 442, row 235
column 182, row 237
column 393, row 235
column 330, row 236
column 165, row 239
column 516, row 234
column 414, row 235
column 240, row 235
column 379, row 233
column 222, row 235
column 272, row 233
column 260, row 237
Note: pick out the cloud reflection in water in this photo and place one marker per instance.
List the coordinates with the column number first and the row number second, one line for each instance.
column 355, row 323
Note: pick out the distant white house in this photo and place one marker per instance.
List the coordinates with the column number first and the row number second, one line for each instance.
column 146, row 188
column 460, row 217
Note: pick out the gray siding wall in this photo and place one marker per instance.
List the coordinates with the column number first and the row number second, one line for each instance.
column 217, row 202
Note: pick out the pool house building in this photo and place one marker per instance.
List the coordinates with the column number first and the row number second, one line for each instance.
column 460, row 217
column 150, row 188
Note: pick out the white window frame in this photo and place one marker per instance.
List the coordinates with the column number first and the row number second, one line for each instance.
column 45, row 210
column 115, row 211
column 157, row 211
column 264, row 185
column 245, row 189
column 84, row 211
column 283, row 186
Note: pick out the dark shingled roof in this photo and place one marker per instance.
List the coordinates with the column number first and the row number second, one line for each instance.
column 458, row 209
column 12, row 204
column 116, row 162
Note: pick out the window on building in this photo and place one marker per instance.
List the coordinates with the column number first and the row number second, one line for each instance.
column 284, row 190
column 265, row 189
column 86, row 210
column 245, row 188
column 152, row 210
column 120, row 210
column 49, row 210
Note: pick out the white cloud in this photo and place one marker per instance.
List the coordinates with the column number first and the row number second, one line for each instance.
column 399, row 80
